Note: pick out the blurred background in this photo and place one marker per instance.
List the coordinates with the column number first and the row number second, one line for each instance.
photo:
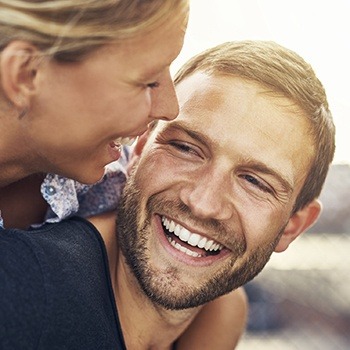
column 301, row 300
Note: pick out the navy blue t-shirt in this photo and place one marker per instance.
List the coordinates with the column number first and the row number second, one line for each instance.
column 55, row 289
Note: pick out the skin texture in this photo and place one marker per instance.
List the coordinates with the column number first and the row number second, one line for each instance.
column 229, row 168
column 254, row 180
column 219, row 324
column 70, row 113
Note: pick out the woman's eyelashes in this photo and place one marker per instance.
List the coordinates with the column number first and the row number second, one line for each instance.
column 153, row 85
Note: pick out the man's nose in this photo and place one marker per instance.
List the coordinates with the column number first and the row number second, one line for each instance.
column 209, row 196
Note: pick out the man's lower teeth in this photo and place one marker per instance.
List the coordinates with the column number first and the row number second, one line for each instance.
column 183, row 249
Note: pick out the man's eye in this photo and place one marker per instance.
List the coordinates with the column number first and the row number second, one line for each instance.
column 182, row 147
column 254, row 181
column 153, row 85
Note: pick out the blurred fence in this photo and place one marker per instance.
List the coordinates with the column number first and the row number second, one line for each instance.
column 301, row 300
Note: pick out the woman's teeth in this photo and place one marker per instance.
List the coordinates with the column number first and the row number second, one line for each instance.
column 125, row 141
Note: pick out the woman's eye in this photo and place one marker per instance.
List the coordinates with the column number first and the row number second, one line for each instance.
column 153, row 85
column 254, row 181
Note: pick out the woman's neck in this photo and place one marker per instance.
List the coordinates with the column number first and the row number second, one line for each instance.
column 16, row 156
column 21, row 203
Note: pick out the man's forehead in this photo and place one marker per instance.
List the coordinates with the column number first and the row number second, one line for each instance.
column 194, row 89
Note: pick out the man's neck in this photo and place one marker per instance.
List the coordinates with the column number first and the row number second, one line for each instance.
column 145, row 326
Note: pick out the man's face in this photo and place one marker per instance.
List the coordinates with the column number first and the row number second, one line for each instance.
column 213, row 191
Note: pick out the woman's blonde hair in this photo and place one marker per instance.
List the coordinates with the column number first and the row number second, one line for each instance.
column 69, row 29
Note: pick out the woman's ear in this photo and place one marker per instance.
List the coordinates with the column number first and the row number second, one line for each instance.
column 299, row 223
column 137, row 150
column 18, row 67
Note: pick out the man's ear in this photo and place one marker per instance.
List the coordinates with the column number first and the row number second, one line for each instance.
column 299, row 223
column 18, row 67
column 140, row 144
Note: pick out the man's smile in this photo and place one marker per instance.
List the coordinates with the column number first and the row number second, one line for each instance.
column 192, row 244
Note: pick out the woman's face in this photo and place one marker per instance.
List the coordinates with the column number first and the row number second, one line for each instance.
column 80, row 112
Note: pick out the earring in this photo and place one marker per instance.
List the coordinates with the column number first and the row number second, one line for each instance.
column 23, row 112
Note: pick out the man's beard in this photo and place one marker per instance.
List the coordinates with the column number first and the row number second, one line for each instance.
column 165, row 287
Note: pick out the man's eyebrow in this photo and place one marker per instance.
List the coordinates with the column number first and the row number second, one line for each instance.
column 203, row 139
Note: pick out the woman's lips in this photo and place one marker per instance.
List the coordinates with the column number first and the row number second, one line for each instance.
column 115, row 146
column 124, row 141
column 114, row 150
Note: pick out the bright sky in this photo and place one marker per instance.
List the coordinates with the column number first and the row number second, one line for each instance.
column 318, row 30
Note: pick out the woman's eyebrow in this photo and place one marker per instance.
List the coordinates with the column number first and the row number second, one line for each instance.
column 153, row 72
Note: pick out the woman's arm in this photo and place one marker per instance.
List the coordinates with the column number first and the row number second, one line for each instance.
column 219, row 325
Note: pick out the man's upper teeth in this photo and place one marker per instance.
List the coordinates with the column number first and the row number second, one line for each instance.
column 194, row 239
column 127, row 141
